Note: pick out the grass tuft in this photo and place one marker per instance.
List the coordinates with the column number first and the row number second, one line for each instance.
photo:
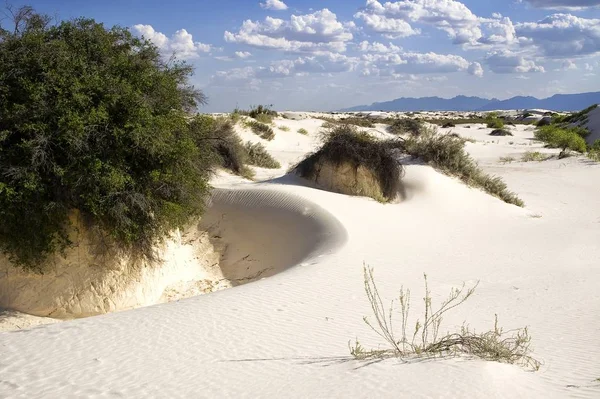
column 447, row 153
column 259, row 156
column 303, row 131
column 262, row 130
column 402, row 126
column 284, row 128
column 500, row 132
column 425, row 340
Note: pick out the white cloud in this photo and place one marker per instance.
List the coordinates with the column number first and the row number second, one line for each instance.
column 243, row 54
column 565, row 4
column 377, row 47
column 276, row 5
column 567, row 65
column 180, row 44
column 450, row 16
column 476, row 69
column 319, row 31
column 588, row 67
column 390, row 64
column 562, row 35
column 505, row 61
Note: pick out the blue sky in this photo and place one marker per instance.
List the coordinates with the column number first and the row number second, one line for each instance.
column 326, row 55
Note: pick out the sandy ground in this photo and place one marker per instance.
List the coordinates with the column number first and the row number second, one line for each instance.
column 287, row 335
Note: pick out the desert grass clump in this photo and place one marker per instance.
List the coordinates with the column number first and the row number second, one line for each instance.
column 283, row 128
column 351, row 120
column 426, row 338
column 225, row 143
column 303, row 131
column 507, row 159
column 534, row 156
column 448, row 125
column 402, row 126
column 500, row 132
column 447, row 153
column 258, row 155
column 345, row 146
column 262, row 130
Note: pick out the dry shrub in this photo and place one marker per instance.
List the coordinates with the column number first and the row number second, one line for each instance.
column 258, row 156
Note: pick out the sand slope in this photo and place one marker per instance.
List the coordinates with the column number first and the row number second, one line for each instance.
column 287, row 335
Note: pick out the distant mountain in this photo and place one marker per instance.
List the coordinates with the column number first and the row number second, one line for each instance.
column 558, row 102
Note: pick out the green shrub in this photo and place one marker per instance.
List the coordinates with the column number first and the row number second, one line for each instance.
column 351, row 120
column 226, row 144
column 495, row 123
column 500, row 132
column 258, row 156
column 303, row 131
column 92, row 119
column 345, row 145
column 507, row 159
column 448, row 125
column 262, row 130
column 564, row 138
column 284, row 128
column 447, row 153
column 405, row 125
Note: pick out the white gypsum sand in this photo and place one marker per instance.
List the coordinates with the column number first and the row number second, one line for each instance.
column 287, row 335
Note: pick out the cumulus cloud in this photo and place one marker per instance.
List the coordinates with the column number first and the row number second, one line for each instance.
column 562, row 35
column 377, row 47
column 180, row 44
column 476, row 69
column 450, row 16
column 243, row 54
column 319, row 31
column 564, row 4
column 276, row 5
column 505, row 61
column 567, row 65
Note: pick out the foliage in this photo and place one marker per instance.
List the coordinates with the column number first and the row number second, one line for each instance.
column 507, row 159
column 284, row 128
column 93, row 119
column 500, row 132
column 258, row 156
column 226, row 145
column 345, row 145
column 264, row 131
column 495, row 123
column 353, row 120
column 303, row 131
column 531, row 156
column 426, row 340
column 565, row 138
column 447, row 153
column 405, row 125
column 448, row 125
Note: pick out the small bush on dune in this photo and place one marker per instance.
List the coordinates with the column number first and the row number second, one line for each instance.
column 448, row 125
column 262, row 130
column 226, row 144
column 405, row 125
column 566, row 139
column 427, row 340
column 500, row 132
column 261, row 113
column 303, row 131
column 258, row 156
column 447, row 154
column 352, row 120
column 531, row 156
column 344, row 145
column 495, row 123
column 284, row 128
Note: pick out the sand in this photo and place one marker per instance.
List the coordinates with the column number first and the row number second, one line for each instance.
column 287, row 335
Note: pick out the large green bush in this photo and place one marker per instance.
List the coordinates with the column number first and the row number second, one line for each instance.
column 563, row 137
column 93, row 119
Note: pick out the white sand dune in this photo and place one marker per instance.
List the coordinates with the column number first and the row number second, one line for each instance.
column 593, row 124
column 287, row 335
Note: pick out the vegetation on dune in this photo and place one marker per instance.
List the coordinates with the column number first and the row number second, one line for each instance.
column 258, row 155
column 565, row 138
column 352, row 120
column 344, row 145
column 303, row 131
column 407, row 126
column 93, row 119
column 264, row 131
column 284, row 128
column 500, row 132
column 493, row 121
column 575, row 118
column 426, row 338
column 227, row 147
column 261, row 113
column 532, row 156
column 447, row 153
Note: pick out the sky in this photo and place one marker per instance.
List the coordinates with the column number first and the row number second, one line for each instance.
column 326, row 55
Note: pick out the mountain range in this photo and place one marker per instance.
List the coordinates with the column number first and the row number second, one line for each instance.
column 558, row 102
